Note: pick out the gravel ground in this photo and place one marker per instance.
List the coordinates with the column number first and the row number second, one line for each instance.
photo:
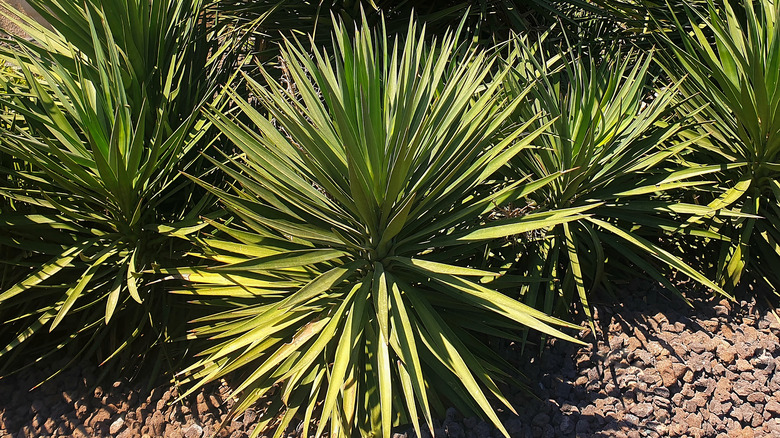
column 712, row 370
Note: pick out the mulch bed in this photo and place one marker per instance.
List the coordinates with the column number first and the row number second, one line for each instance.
column 660, row 369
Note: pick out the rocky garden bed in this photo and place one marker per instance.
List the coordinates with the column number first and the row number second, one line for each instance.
column 662, row 369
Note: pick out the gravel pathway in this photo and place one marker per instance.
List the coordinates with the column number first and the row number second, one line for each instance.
column 712, row 370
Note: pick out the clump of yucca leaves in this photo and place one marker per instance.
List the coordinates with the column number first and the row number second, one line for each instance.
column 613, row 154
column 729, row 58
column 343, row 283
column 103, row 117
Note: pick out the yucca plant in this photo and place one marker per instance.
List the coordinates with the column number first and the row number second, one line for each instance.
column 612, row 147
column 343, row 285
column 730, row 59
column 490, row 20
column 105, row 119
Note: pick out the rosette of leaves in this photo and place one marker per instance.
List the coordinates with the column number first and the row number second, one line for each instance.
column 99, row 129
column 730, row 59
column 342, row 285
column 612, row 148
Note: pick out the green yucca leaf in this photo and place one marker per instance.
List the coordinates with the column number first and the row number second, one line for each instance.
column 371, row 166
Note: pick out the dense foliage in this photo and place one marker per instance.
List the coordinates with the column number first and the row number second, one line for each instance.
column 350, row 207
column 96, row 128
column 735, row 83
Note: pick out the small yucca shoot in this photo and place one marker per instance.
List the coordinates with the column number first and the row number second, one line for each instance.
column 336, row 290
column 729, row 64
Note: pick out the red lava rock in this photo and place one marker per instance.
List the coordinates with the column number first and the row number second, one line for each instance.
column 697, row 347
column 723, row 390
column 773, row 407
column 680, row 349
column 773, row 427
column 156, row 423
column 116, row 425
column 743, row 388
column 102, row 415
column 37, row 422
column 155, row 395
column 743, row 365
column 50, row 426
column 693, row 420
column 194, row 431
column 758, row 420
column 726, row 352
column 712, row 344
column 696, row 432
column 745, row 350
column 698, row 362
column 82, row 432
column 746, row 432
column 662, row 392
column 82, row 412
column 678, row 429
column 69, row 396
column 656, row 349
column 711, row 325
column 669, row 371
column 642, row 410
column 63, row 430
column 633, row 344
column 717, row 408
column 688, row 390
column 748, row 412
column 161, row 404
column 750, row 333
column 730, row 375
column 172, row 430
column 677, row 327
column 706, row 385
column 661, row 416
column 201, row 406
column 699, row 400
